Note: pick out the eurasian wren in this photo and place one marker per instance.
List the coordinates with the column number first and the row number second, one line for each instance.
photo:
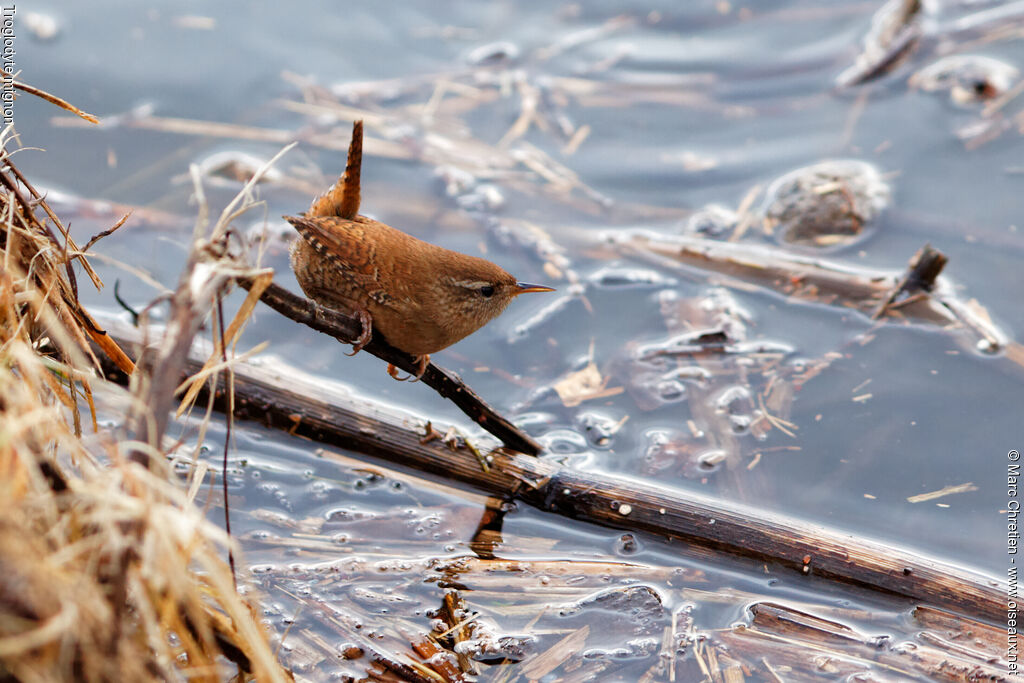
column 420, row 297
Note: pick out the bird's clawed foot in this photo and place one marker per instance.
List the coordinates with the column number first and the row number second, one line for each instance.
column 421, row 366
column 364, row 337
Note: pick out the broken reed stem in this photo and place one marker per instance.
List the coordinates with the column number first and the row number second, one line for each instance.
column 345, row 328
column 924, row 267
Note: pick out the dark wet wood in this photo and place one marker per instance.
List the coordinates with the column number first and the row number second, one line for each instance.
column 283, row 397
column 809, row 549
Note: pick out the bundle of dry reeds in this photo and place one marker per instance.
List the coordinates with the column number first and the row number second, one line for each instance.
column 108, row 572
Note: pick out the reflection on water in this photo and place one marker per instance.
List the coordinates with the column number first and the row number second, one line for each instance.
column 526, row 131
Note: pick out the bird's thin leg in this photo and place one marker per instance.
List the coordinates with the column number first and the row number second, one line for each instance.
column 364, row 337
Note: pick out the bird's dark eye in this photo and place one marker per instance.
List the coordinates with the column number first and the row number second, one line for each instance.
column 487, row 291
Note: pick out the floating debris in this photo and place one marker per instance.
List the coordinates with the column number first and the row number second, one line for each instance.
column 238, row 167
column 564, row 442
column 456, row 181
column 946, row 491
column 691, row 161
column 671, row 450
column 599, row 428
column 534, row 238
column 895, row 32
column 546, row 317
column 710, row 460
column 714, row 220
column 584, row 385
column 654, row 389
column 500, row 52
column 827, row 203
column 687, row 343
column 195, row 22
column 736, row 404
column 613, row 277
column 970, row 79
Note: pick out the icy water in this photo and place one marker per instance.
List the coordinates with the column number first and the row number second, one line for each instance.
column 651, row 112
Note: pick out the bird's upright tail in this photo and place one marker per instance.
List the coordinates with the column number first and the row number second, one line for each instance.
column 342, row 200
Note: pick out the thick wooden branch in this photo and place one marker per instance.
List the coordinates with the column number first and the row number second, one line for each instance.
column 283, row 397
column 345, row 328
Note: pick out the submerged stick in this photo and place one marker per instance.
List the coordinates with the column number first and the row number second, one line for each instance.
column 309, row 407
column 800, row 640
column 345, row 328
column 812, row 278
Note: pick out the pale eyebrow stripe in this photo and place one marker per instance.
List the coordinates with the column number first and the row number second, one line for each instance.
column 471, row 284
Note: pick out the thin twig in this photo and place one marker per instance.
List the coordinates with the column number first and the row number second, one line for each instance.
column 52, row 99
column 230, row 414
column 106, row 233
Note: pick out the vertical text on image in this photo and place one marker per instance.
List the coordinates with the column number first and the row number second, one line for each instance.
column 7, row 53
column 1012, row 540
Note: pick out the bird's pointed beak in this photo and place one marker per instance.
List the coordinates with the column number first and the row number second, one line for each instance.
column 523, row 288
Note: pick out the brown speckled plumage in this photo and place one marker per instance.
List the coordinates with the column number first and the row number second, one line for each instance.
column 419, row 296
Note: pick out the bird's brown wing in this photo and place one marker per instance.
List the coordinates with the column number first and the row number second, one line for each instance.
column 340, row 241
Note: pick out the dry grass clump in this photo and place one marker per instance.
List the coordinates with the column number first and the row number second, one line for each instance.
column 107, row 570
